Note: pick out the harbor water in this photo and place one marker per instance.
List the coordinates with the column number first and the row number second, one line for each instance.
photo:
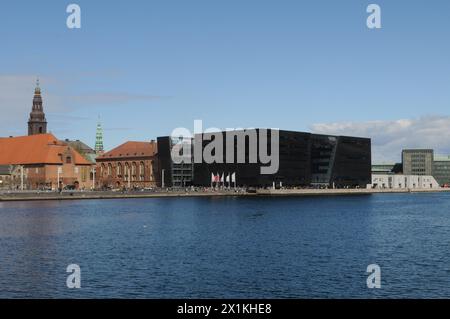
column 228, row 247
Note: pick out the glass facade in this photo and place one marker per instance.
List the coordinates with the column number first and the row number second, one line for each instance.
column 305, row 160
column 174, row 173
column 441, row 170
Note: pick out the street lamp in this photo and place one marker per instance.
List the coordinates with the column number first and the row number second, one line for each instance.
column 21, row 177
column 93, row 178
column 59, row 173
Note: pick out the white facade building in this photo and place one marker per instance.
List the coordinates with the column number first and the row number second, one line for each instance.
column 392, row 181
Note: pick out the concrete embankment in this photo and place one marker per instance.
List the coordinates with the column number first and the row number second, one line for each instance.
column 34, row 196
column 331, row 192
column 109, row 195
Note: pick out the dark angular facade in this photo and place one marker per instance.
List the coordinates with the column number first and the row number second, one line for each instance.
column 305, row 160
column 173, row 174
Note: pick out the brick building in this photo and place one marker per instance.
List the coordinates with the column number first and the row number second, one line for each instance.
column 11, row 177
column 85, row 150
column 5, row 176
column 46, row 162
column 132, row 164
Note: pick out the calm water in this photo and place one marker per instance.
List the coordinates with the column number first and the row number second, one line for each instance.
column 228, row 247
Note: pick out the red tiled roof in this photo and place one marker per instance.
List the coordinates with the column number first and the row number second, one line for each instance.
column 35, row 149
column 132, row 149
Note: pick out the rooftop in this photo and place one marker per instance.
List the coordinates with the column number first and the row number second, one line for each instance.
column 442, row 158
column 418, row 150
column 80, row 146
column 36, row 149
column 132, row 149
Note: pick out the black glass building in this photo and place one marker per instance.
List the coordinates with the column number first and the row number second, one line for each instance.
column 304, row 159
column 173, row 173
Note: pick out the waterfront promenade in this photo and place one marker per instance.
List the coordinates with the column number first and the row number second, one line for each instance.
column 79, row 195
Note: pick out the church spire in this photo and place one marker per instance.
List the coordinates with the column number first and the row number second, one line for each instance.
column 99, row 138
column 37, row 124
column 37, row 90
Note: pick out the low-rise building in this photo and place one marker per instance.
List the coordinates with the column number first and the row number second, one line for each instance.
column 47, row 162
column 132, row 164
column 5, row 176
column 399, row 181
column 12, row 177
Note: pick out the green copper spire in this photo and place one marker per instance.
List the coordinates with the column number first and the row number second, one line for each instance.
column 99, row 139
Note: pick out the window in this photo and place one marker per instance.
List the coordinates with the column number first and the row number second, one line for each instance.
column 133, row 169
column 151, row 170
column 68, row 160
column 119, row 170
column 84, row 174
column 141, row 171
column 127, row 171
column 109, row 170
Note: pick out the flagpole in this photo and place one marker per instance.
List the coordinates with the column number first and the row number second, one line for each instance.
column 217, row 179
column 233, row 179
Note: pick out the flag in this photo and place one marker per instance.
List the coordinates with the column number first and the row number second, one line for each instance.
column 228, row 178
column 222, row 178
column 213, row 178
column 233, row 178
column 217, row 178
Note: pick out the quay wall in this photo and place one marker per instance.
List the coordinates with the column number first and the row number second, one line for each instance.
column 35, row 196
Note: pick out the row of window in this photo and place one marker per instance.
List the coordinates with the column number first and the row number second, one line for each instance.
column 124, row 170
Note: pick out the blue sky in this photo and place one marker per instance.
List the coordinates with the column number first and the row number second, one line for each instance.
column 147, row 67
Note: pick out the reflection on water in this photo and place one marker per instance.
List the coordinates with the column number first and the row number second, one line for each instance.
column 227, row 247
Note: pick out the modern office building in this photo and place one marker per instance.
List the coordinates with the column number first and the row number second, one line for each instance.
column 441, row 170
column 383, row 169
column 304, row 159
column 175, row 173
column 417, row 161
column 424, row 162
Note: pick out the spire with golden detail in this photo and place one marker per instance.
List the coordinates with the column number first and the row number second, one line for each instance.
column 37, row 90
